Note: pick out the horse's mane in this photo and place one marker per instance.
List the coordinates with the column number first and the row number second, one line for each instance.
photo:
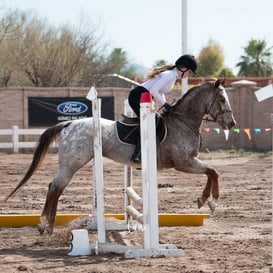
column 196, row 88
column 192, row 91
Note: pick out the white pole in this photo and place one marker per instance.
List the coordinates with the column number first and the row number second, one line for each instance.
column 184, row 27
column 128, row 171
column 184, row 20
column 98, row 197
column 149, row 172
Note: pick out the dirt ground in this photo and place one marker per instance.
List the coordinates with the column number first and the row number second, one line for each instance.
column 237, row 237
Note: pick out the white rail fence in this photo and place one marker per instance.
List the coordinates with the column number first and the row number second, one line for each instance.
column 15, row 143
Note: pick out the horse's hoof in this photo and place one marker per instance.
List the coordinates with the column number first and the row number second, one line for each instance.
column 49, row 230
column 41, row 229
column 212, row 205
column 200, row 202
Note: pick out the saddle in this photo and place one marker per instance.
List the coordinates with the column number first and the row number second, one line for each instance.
column 128, row 128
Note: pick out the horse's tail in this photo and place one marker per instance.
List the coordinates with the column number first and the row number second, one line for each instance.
column 41, row 150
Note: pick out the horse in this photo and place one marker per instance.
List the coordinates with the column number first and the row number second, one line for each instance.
column 179, row 150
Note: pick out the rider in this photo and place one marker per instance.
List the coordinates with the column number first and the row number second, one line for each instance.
column 159, row 82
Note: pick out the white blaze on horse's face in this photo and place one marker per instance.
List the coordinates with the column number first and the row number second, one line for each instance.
column 225, row 116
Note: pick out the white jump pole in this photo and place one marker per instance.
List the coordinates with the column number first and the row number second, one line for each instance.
column 128, row 171
column 98, row 196
column 149, row 172
column 149, row 200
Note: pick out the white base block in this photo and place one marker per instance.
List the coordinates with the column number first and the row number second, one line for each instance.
column 79, row 243
column 133, row 252
column 166, row 250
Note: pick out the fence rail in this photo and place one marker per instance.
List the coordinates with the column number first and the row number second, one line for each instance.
column 15, row 144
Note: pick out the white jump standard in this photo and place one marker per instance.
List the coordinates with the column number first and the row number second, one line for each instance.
column 149, row 201
column 147, row 221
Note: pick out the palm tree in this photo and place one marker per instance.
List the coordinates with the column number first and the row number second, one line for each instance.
column 257, row 60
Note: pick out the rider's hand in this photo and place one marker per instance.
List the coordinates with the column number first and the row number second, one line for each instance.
column 167, row 106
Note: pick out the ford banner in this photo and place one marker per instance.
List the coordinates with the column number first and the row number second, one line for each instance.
column 47, row 111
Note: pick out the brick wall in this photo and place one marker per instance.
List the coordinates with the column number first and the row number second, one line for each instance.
column 249, row 113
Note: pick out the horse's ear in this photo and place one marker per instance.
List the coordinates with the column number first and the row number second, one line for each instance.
column 223, row 82
column 217, row 83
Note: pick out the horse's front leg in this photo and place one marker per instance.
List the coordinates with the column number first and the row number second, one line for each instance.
column 212, row 187
column 214, row 190
column 196, row 166
column 205, row 194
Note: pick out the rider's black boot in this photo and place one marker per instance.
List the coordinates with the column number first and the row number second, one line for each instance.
column 136, row 157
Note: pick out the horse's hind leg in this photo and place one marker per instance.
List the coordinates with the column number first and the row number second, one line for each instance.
column 55, row 190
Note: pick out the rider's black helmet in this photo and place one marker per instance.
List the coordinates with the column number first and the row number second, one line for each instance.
column 187, row 61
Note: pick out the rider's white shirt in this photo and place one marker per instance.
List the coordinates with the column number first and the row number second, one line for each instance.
column 161, row 84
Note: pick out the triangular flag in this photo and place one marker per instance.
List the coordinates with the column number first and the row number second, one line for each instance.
column 92, row 94
column 264, row 93
column 206, row 130
column 217, row 130
column 247, row 131
column 226, row 132
column 236, row 130
column 257, row 130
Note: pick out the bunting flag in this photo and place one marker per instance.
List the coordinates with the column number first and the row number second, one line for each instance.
column 226, row 132
column 238, row 130
column 247, row 131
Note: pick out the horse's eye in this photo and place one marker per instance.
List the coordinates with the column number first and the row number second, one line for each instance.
column 222, row 100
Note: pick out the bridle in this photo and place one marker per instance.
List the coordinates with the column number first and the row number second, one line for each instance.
column 207, row 119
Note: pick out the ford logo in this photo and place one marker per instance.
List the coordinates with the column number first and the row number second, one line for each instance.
column 72, row 108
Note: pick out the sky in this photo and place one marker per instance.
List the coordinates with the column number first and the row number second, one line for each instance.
column 151, row 30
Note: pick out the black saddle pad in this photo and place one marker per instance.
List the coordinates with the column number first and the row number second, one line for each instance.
column 129, row 133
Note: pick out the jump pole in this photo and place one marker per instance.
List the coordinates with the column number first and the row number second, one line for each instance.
column 128, row 171
column 98, row 193
column 149, row 217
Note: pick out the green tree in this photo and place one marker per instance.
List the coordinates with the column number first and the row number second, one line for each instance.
column 226, row 73
column 256, row 61
column 120, row 64
column 210, row 60
column 160, row 63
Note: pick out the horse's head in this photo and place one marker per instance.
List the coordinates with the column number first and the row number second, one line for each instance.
column 220, row 109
